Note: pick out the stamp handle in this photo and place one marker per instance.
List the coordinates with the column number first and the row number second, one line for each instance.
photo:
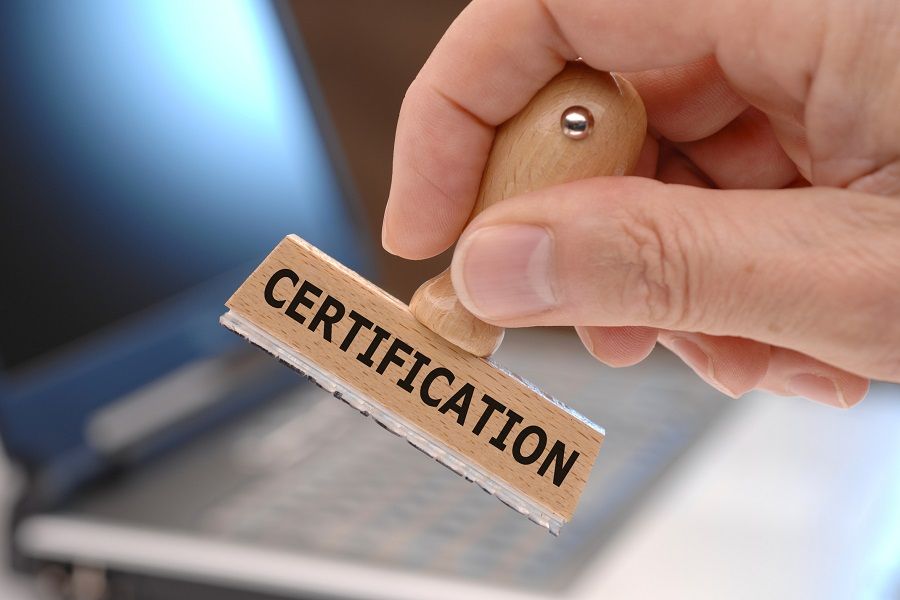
column 583, row 123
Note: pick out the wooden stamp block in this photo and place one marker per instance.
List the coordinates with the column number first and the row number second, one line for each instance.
column 501, row 428
column 418, row 369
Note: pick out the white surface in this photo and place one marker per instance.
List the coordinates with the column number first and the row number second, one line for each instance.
column 788, row 499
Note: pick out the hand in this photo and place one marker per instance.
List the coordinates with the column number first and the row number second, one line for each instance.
column 729, row 258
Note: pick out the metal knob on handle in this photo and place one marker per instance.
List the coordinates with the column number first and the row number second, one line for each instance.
column 583, row 123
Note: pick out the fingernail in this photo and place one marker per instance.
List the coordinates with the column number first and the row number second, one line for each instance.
column 385, row 238
column 818, row 388
column 505, row 271
column 701, row 363
column 585, row 337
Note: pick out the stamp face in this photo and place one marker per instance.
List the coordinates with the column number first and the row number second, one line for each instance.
column 372, row 343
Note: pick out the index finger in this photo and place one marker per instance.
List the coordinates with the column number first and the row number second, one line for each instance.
column 489, row 64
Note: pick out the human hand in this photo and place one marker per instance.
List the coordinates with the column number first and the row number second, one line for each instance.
column 730, row 258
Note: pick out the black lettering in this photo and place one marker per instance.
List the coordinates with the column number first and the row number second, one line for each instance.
column 429, row 379
column 269, row 292
column 512, row 418
column 560, row 469
column 406, row 382
column 459, row 403
column 300, row 298
column 492, row 406
column 538, row 448
column 325, row 319
column 380, row 335
column 359, row 322
column 391, row 355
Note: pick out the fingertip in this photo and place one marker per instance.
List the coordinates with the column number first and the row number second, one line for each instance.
column 855, row 392
column 825, row 388
column 406, row 233
column 386, row 241
column 689, row 101
column 732, row 365
column 794, row 374
column 403, row 246
column 410, row 251
column 618, row 346
column 439, row 155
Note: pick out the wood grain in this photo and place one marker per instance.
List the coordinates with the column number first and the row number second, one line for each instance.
column 336, row 351
column 530, row 152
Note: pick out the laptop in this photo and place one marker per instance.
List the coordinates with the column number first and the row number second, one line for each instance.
column 155, row 151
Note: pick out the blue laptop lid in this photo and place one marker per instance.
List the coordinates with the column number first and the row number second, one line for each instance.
column 154, row 151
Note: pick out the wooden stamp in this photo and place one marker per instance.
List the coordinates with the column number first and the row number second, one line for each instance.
column 420, row 369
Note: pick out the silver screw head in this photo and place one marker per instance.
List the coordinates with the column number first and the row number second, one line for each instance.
column 576, row 122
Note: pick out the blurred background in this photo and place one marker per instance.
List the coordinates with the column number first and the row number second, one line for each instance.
column 153, row 151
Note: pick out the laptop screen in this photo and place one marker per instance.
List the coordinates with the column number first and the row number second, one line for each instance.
column 151, row 149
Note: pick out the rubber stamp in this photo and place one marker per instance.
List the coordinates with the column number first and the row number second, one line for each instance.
column 423, row 371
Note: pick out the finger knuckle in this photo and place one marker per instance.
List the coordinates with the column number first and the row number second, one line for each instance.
column 658, row 279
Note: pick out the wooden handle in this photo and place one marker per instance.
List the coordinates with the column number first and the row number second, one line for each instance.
column 583, row 123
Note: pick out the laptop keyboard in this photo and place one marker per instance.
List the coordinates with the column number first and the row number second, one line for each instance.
column 327, row 481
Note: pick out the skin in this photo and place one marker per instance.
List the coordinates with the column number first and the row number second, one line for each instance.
column 760, row 239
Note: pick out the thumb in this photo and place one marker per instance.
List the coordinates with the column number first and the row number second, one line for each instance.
column 816, row 270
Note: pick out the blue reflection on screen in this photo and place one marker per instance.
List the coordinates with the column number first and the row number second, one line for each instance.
column 153, row 152
column 154, row 144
